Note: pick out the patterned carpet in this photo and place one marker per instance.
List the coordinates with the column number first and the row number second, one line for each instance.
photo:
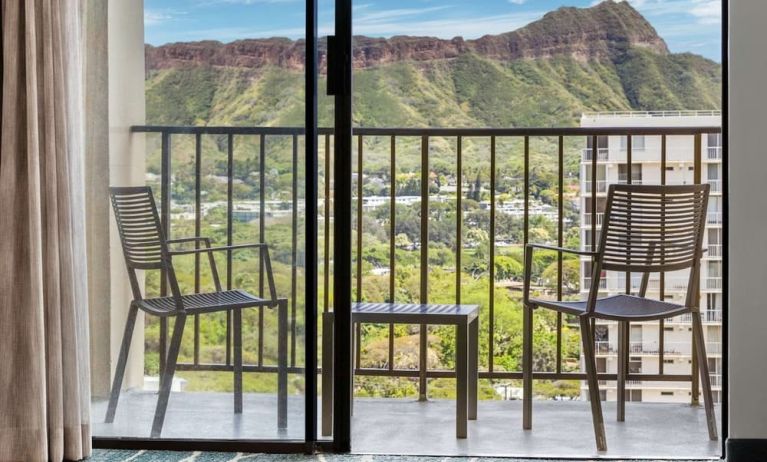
column 111, row 455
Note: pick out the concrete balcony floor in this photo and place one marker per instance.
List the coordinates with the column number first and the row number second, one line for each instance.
column 408, row 427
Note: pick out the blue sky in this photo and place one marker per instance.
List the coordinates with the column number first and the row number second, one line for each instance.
column 686, row 25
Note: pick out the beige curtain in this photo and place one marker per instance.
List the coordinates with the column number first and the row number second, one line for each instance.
column 44, row 376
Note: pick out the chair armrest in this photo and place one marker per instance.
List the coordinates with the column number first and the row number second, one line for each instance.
column 529, row 263
column 210, row 249
column 264, row 248
column 562, row 250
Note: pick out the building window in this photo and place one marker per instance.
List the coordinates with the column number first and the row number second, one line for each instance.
column 636, row 173
column 667, row 393
column 714, row 140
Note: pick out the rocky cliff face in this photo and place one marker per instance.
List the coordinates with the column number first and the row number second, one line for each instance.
column 604, row 31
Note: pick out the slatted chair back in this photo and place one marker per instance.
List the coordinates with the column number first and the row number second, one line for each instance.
column 142, row 236
column 649, row 229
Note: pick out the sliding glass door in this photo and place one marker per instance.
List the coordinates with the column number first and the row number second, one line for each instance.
column 228, row 144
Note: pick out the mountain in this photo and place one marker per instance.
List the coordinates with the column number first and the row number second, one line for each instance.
column 606, row 57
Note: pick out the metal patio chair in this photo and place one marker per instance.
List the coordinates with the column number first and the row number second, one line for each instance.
column 646, row 229
column 145, row 247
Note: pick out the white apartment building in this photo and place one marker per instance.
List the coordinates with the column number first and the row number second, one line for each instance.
column 645, row 337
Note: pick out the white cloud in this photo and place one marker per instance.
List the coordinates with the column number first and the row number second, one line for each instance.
column 517, row 2
column 156, row 17
column 705, row 12
column 708, row 11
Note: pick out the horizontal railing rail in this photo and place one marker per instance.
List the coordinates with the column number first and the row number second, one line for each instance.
column 424, row 136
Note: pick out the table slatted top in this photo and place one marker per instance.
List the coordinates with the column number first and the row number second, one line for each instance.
column 427, row 313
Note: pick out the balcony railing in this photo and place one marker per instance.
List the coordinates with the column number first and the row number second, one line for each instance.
column 714, row 153
column 714, row 251
column 601, row 186
column 602, row 154
column 257, row 143
column 588, row 219
column 623, row 179
column 713, row 316
column 714, row 283
column 716, row 185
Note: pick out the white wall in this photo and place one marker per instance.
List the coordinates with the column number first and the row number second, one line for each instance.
column 748, row 219
column 126, row 157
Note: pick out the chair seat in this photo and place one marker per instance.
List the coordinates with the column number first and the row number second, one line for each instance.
column 619, row 307
column 203, row 303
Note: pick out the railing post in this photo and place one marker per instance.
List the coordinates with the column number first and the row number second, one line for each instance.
column 424, row 298
column 392, row 236
column 165, row 220
column 491, row 265
column 697, row 174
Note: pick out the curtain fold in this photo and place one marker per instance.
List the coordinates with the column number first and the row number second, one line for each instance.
column 44, row 360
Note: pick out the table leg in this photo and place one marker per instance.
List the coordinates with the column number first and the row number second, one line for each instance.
column 461, row 372
column 327, row 373
column 473, row 367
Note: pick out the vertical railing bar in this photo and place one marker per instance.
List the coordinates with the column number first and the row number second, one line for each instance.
column 294, row 255
column 459, row 219
column 594, row 161
column 662, row 275
column 491, row 263
column 629, row 178
column 697, row 174
column 560, row 243
column 261, row 240
column 229, row 237
column 358, row 327
column 392, row 230
column 165, row 220
column 424, row 293
column 326, row 274
column 197, row 232
column 594, row 154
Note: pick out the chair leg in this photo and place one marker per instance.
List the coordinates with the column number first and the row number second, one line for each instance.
column 122, row 360
column 705, row 378
column 237, row 361
column 527, row 368
column 167, row 376
column 282, row 367
column 623, row 332
column 591, row 374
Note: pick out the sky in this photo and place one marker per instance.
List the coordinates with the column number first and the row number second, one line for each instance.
column 686, row 25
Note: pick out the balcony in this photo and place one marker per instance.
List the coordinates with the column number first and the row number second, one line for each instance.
column 601, row 186
column 716, row 185
column 714, row 153
column 430, row 236
column 714, row 251
column 602, row 154
column 714, row 218
column 624, row 179
column 588, row 219
column 713, row 283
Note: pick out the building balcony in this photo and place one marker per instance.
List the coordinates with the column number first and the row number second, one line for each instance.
column 602, row 154
column 714, row 153
column 588, row 219
column 589, row 186
column 714, row 251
